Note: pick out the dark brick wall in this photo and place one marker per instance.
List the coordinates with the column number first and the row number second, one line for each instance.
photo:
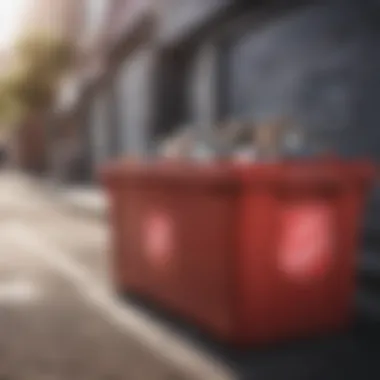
column 318, row 66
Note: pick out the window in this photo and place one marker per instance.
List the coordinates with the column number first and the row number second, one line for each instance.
column 238, row 58
column 134, row 93
column 98, row 126
column 114, row 119
column 203, row 86
column 171, row 99
column 95, row 14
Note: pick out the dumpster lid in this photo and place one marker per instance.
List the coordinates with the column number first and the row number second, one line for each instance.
column 310, row 172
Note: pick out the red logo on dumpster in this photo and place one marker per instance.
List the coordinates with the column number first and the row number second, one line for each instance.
column 158, row 238
column 306, row 246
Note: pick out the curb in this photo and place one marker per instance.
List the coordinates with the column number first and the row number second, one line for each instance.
column 85, row 210
column 66, row 197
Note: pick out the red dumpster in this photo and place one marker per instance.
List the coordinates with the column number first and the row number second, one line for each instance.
column 251, row 253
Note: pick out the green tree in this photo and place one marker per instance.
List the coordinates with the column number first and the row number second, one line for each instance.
column 44, row 59
column 11, row 109
column 45, row 52
column 31, row 86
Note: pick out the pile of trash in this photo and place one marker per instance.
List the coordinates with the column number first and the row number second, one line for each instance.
column 237, row 141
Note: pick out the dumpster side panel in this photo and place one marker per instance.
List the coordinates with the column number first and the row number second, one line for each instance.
column 208, row 230
column 351, row 220
column 133, row 265
column 117, row 240
column 306, row 285
column 179, row 251
column 254, row 282
column 275, row 303
column 294, row 284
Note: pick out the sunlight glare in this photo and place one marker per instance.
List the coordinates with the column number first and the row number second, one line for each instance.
column 11, row 20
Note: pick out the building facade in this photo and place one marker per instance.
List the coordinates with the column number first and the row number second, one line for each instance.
column 113, row 33
column 158, row 65
column 64, row 19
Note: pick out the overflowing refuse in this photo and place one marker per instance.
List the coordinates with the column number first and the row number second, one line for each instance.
column 236, row 141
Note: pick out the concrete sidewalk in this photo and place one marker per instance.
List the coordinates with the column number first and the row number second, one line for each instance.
column 51, row 330
column 61, row 319
column 87, row 201
column 59, row 316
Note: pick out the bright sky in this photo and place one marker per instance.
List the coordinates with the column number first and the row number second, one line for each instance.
column 11, row 20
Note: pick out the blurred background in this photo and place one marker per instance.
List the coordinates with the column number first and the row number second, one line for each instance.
column 84, row 82
column 89, row 81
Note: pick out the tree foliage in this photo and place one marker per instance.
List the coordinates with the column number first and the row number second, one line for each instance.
column 42, row 59
column 45, row 53
column 10, row 108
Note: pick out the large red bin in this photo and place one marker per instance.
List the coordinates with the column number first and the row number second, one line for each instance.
column 250, row 253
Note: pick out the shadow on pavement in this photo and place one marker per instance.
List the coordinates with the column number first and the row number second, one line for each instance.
column 353, row 355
